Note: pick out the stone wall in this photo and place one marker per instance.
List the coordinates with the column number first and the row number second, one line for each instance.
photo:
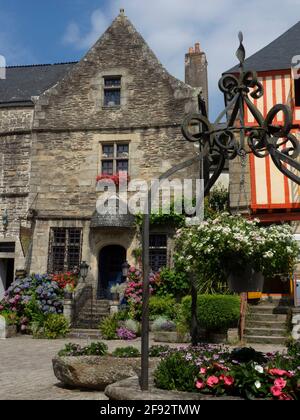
column 13, row 118
column 236, row 200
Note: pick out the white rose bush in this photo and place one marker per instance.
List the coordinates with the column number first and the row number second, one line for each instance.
column 218, row 246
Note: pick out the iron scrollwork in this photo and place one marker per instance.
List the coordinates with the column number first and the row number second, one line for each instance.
column 265, row 137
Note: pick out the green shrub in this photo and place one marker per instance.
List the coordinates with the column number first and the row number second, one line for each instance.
column 162, row 306
column 215, row 312
column 56, row 326
column 175, row 372
column 108, row 327
column 158, row 351
column 94, row 349
column 173, row 282
column 128, row 351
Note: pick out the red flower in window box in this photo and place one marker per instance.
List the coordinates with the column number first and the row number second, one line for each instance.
column 116, row 178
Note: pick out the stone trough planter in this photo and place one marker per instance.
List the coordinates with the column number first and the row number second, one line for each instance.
column 95, row 372
column 129, row 389
column 6, row 330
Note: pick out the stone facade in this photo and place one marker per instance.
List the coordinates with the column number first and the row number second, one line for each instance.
column 51, row 152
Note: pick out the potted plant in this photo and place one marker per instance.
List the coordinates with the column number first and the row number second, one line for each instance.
column 68, row 291
column 234, row 249
column 8, row 324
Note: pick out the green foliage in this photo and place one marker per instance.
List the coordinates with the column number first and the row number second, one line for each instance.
column 56, row 326
column 94, row 349
column 162, row 306
column 11, row 317
column 158, row 351
column 122, row 315
column 164, row 217
column 173, row 282
column 176, row 373
column 108, row 327
column 215, row 312
column 128, row 351
column 218, row 200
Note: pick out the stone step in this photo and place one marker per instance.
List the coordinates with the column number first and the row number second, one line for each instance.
column 84, row 333
column 269, row 309
column 266, row 317
column 262, row 332
column 264, row 340
column 89, row 312
column 265, row 324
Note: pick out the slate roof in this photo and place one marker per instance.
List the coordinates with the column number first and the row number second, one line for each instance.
column 277, row 55
column 113, row 220
column 23, row 82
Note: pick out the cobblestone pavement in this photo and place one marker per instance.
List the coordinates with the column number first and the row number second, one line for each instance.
column 26, row 369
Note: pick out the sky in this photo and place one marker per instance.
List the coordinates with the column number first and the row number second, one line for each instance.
column 36, row 31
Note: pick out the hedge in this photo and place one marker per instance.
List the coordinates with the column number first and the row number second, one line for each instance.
column 215, row 312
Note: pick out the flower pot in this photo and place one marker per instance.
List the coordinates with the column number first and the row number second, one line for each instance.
column 68, row 295
column 115, row 297
column 245, row 279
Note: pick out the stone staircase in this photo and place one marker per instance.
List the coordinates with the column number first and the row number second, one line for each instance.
column 91, row 314
column 266, row 322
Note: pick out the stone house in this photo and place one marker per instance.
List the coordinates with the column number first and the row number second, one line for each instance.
column 64, row 124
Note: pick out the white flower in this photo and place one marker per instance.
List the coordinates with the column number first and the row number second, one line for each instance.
column 259, row 369
column 257, row 384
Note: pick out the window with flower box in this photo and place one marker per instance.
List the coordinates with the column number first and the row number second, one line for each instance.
column 64, row 249
column 114, row 158
column 158, row 251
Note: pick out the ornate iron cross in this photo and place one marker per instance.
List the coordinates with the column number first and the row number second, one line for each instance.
column 265, row 137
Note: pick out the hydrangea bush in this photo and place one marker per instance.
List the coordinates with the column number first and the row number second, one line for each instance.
column 215, row 247
column 33, row 297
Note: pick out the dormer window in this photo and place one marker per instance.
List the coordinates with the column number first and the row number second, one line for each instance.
column 112, row 91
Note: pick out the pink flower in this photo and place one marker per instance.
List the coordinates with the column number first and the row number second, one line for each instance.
column 212, row 381
column 278, row 372
column 228, row 380
column 200, row 384
column 1, row 307
column 281, row 383
column 285, row 397
column 203, row 371
column 276, row 390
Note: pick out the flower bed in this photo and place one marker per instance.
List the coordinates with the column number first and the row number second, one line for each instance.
column 32, row 299
column 244, row 372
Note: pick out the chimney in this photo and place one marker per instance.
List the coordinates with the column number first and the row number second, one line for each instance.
column 196, row 70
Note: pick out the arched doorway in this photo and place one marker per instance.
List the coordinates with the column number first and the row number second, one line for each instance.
column 111, row 259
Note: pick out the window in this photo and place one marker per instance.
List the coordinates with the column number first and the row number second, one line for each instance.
column 64, row 249
column 297, row 92
column 7, row 247
column 115, row 158
column 158, row 252
column 112, row 91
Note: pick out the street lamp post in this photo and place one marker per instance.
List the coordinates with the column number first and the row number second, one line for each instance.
column 84, row 269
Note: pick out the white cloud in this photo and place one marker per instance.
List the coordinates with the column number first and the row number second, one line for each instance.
column 99, row 23
column 171, row 26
